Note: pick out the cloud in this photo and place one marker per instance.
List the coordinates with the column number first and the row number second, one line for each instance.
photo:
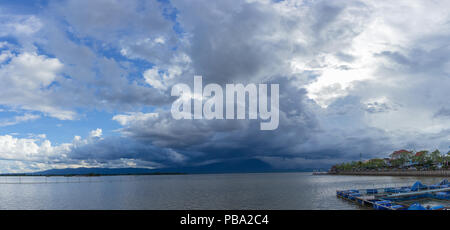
column 96, row 133
column 138, row 29
column 19, row 25
column 49, row 70
column 206, row 140
column 19, row 119
column 37, row 153
column 26, row 149
column 444, row 112
column 153, row 78
column 132, row 118
column 27, row 83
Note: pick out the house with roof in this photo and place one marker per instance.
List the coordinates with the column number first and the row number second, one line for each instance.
column 399, row 154
column 403, row 155
column 421, row 153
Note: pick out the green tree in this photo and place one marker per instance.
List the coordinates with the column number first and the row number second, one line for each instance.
column 421, row 157
column 354, row 165
column 397, row 163
column 405, row 157
column 447, row 159
column 375, row 164
column 436, row 157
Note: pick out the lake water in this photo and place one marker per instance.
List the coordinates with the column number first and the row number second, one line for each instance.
column 208, row 191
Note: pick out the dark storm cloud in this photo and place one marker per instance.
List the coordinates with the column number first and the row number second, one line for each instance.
column 205, row 140
column 114, row 148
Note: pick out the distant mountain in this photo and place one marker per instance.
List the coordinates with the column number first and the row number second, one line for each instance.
column 230, row 166
column 99, row 171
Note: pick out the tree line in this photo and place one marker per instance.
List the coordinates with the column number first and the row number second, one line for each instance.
column 422, row 160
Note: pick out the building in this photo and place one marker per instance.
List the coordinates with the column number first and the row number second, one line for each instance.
column 398, row 154
column 406, row 157
column 418, row 154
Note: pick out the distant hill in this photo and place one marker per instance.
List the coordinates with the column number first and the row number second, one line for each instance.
column 231, row 166
column 98, row 171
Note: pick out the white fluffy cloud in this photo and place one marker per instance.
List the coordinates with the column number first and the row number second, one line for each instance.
column 163, row 76
column 26, row 80
column 37, row 153
column 29, row 71
column 96, row 133
column 153, row 78
column 24, row 149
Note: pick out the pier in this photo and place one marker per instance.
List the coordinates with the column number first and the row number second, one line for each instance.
column 401, row 198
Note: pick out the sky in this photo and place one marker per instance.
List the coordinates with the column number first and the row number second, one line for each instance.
column 88, row 83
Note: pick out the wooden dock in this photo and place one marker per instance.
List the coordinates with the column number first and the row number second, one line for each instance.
column 384, row 199
column 368, row 201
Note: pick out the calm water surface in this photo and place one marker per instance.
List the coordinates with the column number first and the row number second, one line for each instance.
column 212, row 191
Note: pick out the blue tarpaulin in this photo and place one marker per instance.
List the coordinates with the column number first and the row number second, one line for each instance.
column 382, row 202
column 418, row 185
column 397, row 207
column 437, row 207
column 416, row 207
column 443, row 182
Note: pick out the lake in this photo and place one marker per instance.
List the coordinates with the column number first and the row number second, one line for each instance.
column 199, row 191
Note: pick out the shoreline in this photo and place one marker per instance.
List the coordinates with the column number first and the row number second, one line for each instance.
column 435, row 173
